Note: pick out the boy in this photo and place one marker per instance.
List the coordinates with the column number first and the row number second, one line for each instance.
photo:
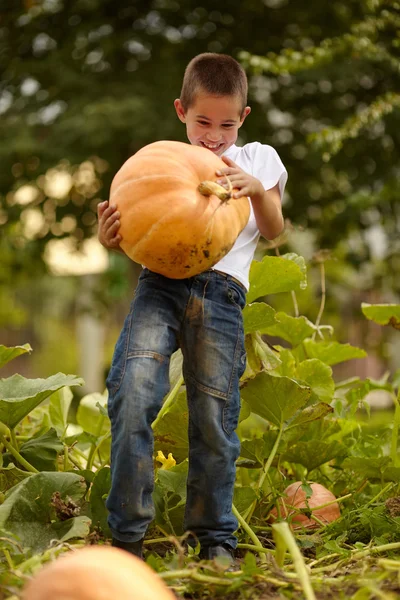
column 201, row 315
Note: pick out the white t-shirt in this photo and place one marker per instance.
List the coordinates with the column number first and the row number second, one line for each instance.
column 262, row 162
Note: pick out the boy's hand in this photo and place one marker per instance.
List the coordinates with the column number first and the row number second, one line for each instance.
column 108, row 218
column 245, row 183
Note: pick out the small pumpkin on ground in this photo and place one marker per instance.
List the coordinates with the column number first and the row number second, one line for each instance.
column 175, row 219
column 294, row 497
column 96, row 573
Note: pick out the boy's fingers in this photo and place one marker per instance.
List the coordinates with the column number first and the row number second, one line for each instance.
column 108, row 218
column 110, row 210
column 227, row 172
column 105, row 209
column 114, row 242
column 232, row 178
column 101, row 207
column 221, row 172
column 113, row 228
column 242, row 192
column 228, row 161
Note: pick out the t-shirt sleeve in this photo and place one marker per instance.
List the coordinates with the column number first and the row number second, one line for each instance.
column 268, row 167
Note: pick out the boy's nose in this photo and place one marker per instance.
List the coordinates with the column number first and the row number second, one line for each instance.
column 213, row 138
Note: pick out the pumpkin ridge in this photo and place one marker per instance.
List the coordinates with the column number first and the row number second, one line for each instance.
column 144, row 178
column 171, row 162
column 153, row 229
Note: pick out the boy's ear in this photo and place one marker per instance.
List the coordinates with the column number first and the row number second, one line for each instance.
column 246, row 112
column 179, row 110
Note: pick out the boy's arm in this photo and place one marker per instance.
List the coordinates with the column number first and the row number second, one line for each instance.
column 268, row 212
column 107, row 233
column 266, row 203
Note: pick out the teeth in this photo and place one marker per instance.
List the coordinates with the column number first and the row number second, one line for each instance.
column 211, row 146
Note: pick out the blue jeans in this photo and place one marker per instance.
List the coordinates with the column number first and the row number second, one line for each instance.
column 203, row 316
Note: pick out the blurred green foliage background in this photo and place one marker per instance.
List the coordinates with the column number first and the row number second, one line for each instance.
column 85, row 83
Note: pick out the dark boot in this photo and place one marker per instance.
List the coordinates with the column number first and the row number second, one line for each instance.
column 135, row 548
column 220, row 551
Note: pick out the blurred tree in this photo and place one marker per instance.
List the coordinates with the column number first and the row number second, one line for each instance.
column 337, row 107
column 86, row 83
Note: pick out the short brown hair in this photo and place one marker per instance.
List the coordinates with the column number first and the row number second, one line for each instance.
column 215, row 74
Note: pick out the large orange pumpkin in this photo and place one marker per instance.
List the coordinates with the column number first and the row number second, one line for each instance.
column 175, row 219
column 97, row 573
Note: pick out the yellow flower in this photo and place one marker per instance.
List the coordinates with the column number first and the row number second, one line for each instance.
column 166, row 463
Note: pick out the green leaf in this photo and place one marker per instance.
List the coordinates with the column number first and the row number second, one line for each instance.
column 332, row 353
column 383, row 314
column 8, row 353
column 301, row 263
column 74, row 528
column 342, row 429
column 314, row 453
column 257, row 316
column 18, row 395
column 245, row 411
column 29, row 510
column 174, row 479
column 253, row 451
column 360, row 388
column 260, row 356
column 175, row 367
column 11, row 475
column 259, row 449
column 87, row 474
column 379, row 522
column 243, row 498
column 288, row 366
column 42, row 451
column 103, row 409
column 275, row 274
column 275, row 398
column 316, row 429
column 59, row 405
column 98, row 492
column 381, row 469
column 318, row 376
column 311, row 413
column 170, row 497
column 292, row 329
column 170, row 434
column 249, row 566
column 90, row 417
column 75, row 434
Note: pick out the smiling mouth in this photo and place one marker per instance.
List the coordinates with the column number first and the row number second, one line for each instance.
column 213, row 147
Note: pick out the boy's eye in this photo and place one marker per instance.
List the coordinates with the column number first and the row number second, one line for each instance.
column 224, row 125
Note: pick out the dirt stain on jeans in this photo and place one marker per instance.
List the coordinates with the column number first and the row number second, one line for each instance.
column 197, row 510
column 195, row 311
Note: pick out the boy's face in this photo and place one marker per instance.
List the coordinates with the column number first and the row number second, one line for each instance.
column 212, row 121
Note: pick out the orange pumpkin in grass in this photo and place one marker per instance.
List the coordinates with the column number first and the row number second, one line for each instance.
column 294, row 497
column 175, row 219
column 96, row 573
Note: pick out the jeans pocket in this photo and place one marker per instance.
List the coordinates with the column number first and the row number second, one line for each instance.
column 236, row 294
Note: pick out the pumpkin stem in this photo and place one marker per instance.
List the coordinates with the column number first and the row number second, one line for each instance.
column 208, row 188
